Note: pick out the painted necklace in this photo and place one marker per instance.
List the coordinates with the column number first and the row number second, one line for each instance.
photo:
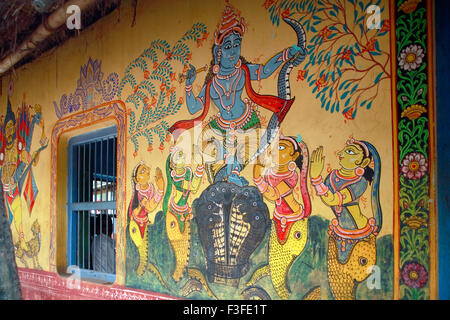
column 228, row 76
column 237, row 75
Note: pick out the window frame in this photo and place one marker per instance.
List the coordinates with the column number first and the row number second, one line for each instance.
column 71, row 232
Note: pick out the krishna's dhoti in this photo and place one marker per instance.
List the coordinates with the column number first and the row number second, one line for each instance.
column 230, row 141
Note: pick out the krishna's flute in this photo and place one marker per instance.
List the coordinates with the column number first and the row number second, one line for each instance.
column 182, row 77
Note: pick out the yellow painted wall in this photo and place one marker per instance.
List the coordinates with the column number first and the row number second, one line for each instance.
column 116, row 43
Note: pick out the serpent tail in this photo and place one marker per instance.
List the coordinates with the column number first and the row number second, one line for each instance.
column 198, row 275
column 156, row 272
column 259, row 274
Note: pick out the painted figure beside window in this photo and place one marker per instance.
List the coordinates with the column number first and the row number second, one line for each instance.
column 142, row 212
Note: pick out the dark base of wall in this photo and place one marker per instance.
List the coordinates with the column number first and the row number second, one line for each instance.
column 44, row 285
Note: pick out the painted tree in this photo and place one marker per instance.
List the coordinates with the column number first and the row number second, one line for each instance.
column 346, row 61
column 152, row 77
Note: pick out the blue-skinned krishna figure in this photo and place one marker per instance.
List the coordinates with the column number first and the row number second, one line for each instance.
column 232, row 136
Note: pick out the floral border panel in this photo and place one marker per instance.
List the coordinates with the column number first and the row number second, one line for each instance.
column 414, row 149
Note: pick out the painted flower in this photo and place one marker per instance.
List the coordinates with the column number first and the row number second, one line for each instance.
column 320, row 83
column 301, row 75
column 414, row 166
column 414, row 275
column 405, row 204
column 409, row 6
column 370, row 45
column 90, row 73
column 154, row 101
column 411, row 57
column 415, row 222
column 171, row 90
column 268, row 3
column 386, row 26
column 285, row 13
column 346, row 55
column 413, row 112
column 325, row 33
column 349, row 114
column 200, row 42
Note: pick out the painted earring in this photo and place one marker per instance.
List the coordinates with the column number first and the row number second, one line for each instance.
column 291, row 165
column 238, row 64
column 216, row 67
column 359, row 171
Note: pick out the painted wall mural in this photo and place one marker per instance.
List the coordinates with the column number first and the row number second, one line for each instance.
column 153, row 78
column 289, row 231
column 10, row 285
column 347, row 62
column 17, row 160
column 215, row 233
column 415, row 140
column 143, row 202
column 110, row 111
column 92, row 90
column 307, row 176
column 352, row 241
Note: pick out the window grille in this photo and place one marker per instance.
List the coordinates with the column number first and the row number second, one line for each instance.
column 92, row 195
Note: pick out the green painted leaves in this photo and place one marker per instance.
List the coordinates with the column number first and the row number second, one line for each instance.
column 152, row 78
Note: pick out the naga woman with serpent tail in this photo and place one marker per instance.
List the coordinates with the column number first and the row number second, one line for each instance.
column 179, row 212
column 352, row 247
column 142, row 211
column 290, row 218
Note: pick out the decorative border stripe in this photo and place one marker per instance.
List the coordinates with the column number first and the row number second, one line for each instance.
column 414, row 143
column 44, row 285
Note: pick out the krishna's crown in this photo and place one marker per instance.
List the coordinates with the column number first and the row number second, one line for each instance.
column 231, row 22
